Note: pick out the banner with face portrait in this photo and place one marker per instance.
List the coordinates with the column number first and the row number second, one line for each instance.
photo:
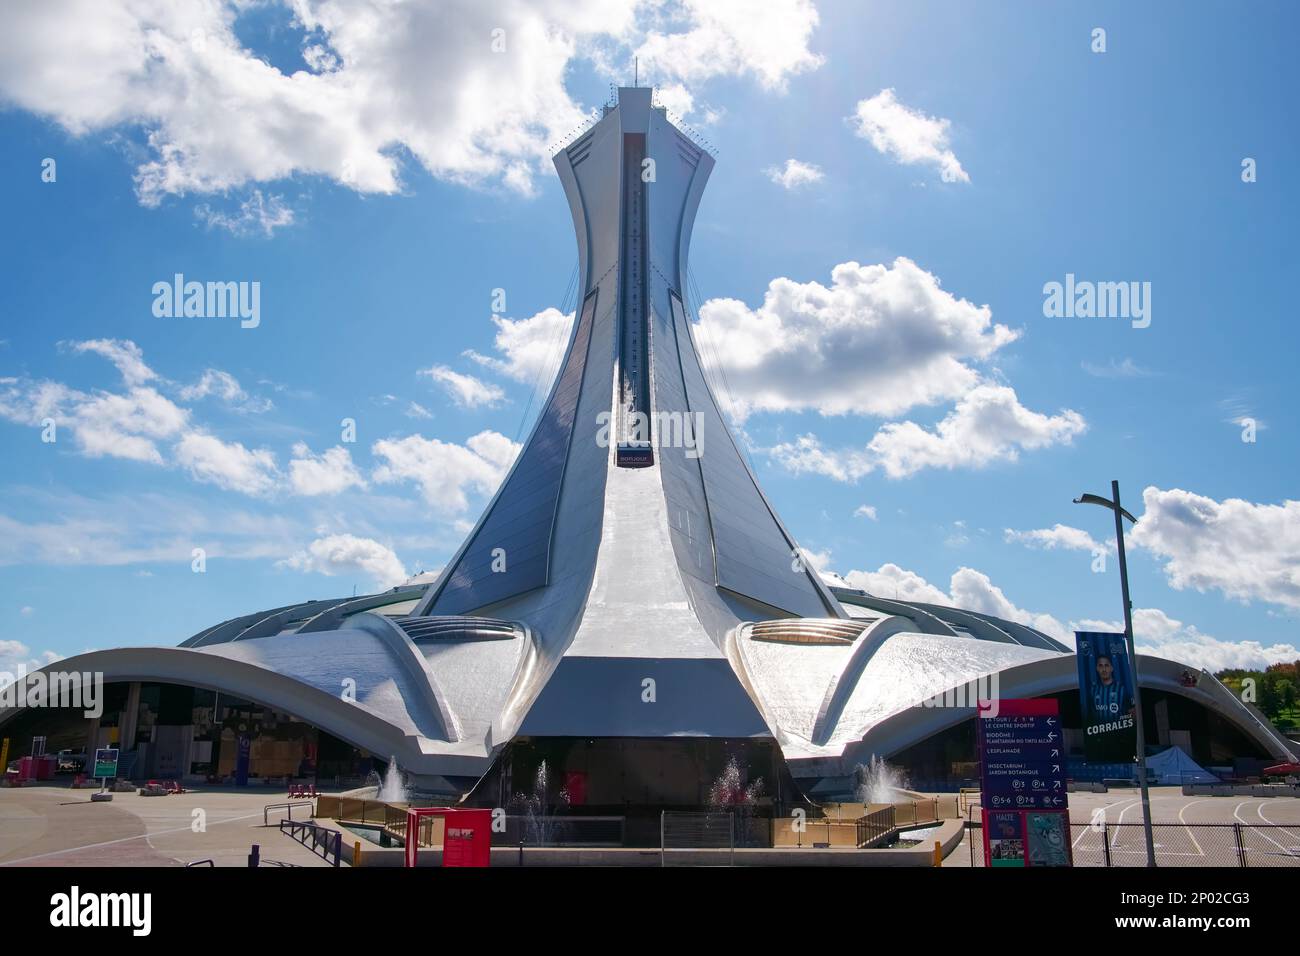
column 1106, row 697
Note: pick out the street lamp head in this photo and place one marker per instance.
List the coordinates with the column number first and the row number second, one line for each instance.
column 1087, row 499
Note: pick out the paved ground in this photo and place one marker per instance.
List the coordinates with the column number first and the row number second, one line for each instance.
column 1185, row 840
column 57, row 826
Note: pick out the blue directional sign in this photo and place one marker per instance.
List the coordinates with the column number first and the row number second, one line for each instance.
column 1022, row 768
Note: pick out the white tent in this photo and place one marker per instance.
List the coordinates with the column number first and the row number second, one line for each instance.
column 1173, row 766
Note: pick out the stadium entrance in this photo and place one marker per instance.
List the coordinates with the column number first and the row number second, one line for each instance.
column 174, row 731
column 628, row 781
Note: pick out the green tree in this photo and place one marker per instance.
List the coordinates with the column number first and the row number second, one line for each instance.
column 1286, row 694
column 1268, row 697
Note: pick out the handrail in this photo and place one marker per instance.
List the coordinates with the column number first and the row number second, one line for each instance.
column 320, row 836
column 280, row 806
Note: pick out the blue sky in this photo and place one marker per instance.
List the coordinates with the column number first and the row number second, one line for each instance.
column 380, row 189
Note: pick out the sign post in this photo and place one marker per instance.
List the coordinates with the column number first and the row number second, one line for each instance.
column 105, row 767
column 1022, row 784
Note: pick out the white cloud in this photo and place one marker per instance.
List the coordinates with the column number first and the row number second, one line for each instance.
column 733, row 37
column 1154, row 631
column 257, row 215
column 880, row 340
column 897, row 584
column 1157, row 634
column 1240, row 411
column 805, row 455
column 124, row 426
column 226, row 387
column 1113, row 369
column 444, row 471
column 865, row 511
column 227, row 465
column 134, row 425
column 416, row 410
column 380, row 80
column 988, row 425
column 680, row 103
column 973, row 591
column 969, row 590
column 141, row 527
column 794, row 174
column 1245, row 550
column 330, row 473
column 908, row 135
column 465, row 390
column 1057, row 536
column 532, row 348
column 124, row 354
column 817, row 560
column 131, row 424
column 346, row 554
column 16, row 656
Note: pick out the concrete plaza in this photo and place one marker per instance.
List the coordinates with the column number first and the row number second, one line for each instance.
column 53, row 825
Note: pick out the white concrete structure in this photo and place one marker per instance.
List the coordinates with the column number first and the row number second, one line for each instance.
column 623, row 584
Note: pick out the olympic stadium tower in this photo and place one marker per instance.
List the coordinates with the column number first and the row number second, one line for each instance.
column 629, row 608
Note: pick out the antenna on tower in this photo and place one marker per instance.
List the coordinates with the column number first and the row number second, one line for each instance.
column 636, row 70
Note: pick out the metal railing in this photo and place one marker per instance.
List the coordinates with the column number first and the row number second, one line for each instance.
column 685, row 830
column 876, row 825
column 395, row 826
column 354, row 810
column 323, row 840
column 554, row 830
column 284, row 806
column 917, row 811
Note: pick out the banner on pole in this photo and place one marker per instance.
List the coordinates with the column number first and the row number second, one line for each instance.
column 1106, row 697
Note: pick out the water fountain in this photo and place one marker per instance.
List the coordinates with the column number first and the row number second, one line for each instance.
column 878, row 782
column 729, row 794
column 541, row 822
column 392, row 789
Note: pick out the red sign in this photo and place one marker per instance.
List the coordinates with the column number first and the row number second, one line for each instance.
column 467, row 836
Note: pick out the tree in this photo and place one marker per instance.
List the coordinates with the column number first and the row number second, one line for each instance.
column 1268, row 699
column 1286, row 694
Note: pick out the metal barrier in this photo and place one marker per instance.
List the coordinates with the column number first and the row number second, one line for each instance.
column 875, row 825
column 354, row 810
column 917, row 811
column 693, row 830
column 526, row 830
column 284, row 806
column 323, row 840
column 1176, row 844
column 395, row 826
column 200, row 863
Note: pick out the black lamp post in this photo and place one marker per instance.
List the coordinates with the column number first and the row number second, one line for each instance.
column 1141, row 754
